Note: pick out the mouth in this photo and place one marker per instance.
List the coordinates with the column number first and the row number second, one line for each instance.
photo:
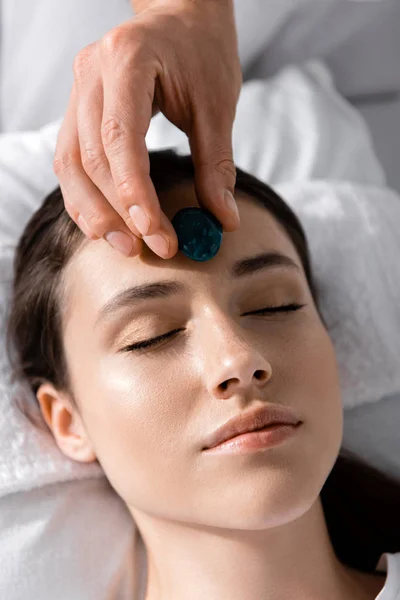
column 266, row 418
column 258, row 439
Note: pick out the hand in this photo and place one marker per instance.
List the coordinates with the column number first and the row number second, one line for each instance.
column 179, row 57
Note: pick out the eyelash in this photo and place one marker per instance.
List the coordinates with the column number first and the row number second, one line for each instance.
column 153, row 342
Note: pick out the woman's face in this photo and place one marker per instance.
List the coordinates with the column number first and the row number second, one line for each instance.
column 148, row 413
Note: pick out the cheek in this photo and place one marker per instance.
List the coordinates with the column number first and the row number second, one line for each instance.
column 317, row 394
column 323, row 372
column 304, row 366
column 315, row 367
column 135, row 415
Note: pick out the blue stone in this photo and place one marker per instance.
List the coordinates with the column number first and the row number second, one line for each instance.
column 199, row 233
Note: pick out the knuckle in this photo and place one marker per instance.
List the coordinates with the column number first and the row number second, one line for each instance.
column 226, row 167
column 92, row 161
column 113, row 40
column 63, row 162
column 112, row 132
column 130, row 42
column 81, row 64
column 125, row 188
column 97, row 222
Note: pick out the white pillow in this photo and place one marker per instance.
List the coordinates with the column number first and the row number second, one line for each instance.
column 264, row 136
column 355, row 248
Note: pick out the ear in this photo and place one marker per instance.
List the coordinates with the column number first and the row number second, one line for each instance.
column 65, row 423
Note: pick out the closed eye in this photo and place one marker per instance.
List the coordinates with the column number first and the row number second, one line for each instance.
column 153, row 342
column 275, row 309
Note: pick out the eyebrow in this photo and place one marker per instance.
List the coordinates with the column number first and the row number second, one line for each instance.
column 166, row 289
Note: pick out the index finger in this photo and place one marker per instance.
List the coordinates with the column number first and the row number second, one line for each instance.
column 127, row 112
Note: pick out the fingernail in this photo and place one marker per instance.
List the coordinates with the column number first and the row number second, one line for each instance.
column 158, row 243
column 140, row 219
column 231, row 203
column 120, row 241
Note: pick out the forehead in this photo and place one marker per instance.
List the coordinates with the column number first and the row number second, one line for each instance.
column 97, row 272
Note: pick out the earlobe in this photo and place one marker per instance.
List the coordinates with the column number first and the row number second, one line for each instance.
column 65, row 423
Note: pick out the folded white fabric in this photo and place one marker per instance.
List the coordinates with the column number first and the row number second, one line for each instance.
column 70, row 541
column 353, row 233
column 28, row 457
column 290, row 131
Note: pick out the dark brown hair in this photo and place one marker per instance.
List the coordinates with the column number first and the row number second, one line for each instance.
column 361, row 504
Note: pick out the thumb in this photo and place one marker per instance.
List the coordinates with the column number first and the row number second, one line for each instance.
column 215, row 172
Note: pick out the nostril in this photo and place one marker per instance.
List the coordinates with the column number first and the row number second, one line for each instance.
column 260, row 375
column 224, row 385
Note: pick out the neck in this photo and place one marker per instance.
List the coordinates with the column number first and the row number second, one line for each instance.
column 293, row 560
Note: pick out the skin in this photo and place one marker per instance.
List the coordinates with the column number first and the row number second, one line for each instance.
column 163, row 59
column 245, row 526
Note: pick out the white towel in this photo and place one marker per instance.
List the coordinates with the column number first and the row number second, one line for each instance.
column 28, row 457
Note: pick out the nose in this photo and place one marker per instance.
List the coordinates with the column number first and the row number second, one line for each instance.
column 235, row 366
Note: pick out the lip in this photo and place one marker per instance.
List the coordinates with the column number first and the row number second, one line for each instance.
column 261, row 439
column 251, row 421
